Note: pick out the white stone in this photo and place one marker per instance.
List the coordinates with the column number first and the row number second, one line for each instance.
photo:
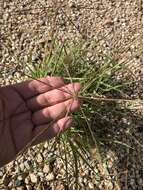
column 33, row 178
column 39, row 158
column 90, row 185
column 28, row 187
column 50, row 177
column 21, row 166
column 20, row 188
column 46, row 169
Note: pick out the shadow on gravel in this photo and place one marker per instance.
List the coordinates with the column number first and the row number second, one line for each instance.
column 120, row 131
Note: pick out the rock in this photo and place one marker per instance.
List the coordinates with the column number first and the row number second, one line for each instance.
column 132, row 182
column 40, row 174
column 20, row 177
column 46, row 145
column 20, row 188
column 45, row 153
column 39, row 187
column 33, row 178
column 28, row 187
column 18, row 182
column 5, row 16
column 35, row 56
column 39, row 158
column 21, row 166
column 46, row 169
column 10, row 184
column 72, row 5
column 50, row 177
column 140, row 182
column 27, row 179
column 90, row 185
column 6, row 180
column 1, row 173
column 27, row 164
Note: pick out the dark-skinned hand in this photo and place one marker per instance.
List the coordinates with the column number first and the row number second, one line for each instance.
column 30, row 107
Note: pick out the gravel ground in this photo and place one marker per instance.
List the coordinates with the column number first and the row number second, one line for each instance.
column 115, row 27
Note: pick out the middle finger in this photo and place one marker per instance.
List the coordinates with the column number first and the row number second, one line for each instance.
column 55, row 112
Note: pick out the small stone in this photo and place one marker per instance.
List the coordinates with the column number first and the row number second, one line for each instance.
column 20, row 188
column 50, row 177
column 27, row 179
column 28, row 187
column 140, row 182
column 6, row 180
column 20, row 177
column 132, row 182
column 40, row 174
column 18, row 182
column 21, row 166
column 1, row 173
column 46, row 145
column 35, row 56
column 85, row 180
column 90, row 185
column 5, row 16
column 110, row 185
column 33, row 178
column 27, row 164
column 39, row 187
column 45, row 153
column 46, row 169
column 39, row 158
column 10, row 184
column 80, row 180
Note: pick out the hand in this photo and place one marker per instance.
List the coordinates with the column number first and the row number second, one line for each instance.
column 28, row 108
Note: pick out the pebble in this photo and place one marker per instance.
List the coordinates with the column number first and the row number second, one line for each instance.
column 6, row 180
column 5, row 16
column 28, row 187
column 18, row 183
column 140, row 182
column 132, row 181
column 22, row 166
column 27, row 164
column 1, row 173
column 10, row 184
column 20, row 177
column 20, row 188
column 39, row 158
column 46, row 169
column 46, row 145
column 27, row 180
column 33, row 178
column 90, row 185
column 40, row 174
column 50, row 177
column 45, row 153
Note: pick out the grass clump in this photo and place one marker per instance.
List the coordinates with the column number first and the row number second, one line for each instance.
column 104, row 94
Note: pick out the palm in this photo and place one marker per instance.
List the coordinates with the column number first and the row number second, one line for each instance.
column 29, row 108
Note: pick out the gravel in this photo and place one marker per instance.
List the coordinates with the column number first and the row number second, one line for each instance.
column 112, row 28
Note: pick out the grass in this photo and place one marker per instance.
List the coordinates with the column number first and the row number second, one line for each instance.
column 104, row 95
column 106, row 102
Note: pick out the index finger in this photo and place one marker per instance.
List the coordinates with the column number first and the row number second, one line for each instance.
column 32, row 88
column 53, row 97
